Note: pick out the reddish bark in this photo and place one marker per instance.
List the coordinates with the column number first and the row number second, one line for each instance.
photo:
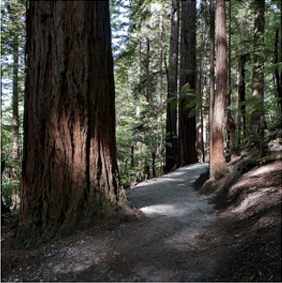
column 70, row 177
column 219, row 115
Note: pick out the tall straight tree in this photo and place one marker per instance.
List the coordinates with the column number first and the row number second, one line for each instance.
column 257, row 119
column 187, row 125
column 241, row 86
column 147, row 65
column 218, row 163
column 70, row 177
column 212, row 80
column 15, row 150
column 171, row 122
column 15, row 103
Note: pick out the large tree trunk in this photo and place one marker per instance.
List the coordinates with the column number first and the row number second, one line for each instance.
column 280, row 73
column 171, row 121
column 70, row 175
column 212, row 80
column 257, row 119
column 187, row 125
column 219, row 117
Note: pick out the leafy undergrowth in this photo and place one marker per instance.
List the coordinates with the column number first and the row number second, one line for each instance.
column 250, row 208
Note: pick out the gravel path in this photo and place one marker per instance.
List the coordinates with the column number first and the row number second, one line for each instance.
column 162, row 246
column 173, row 203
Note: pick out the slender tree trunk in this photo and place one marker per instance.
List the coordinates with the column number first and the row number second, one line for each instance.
column 219, row 117
column 139, row 62
column 171, row 122
column 15, row 149
column 70, row 176
column 241, row 94
column 160, row 62
column 202, row 82
column 138, row 108
column 160, row 90
column 187, row 125
column 257, row 119
column 241, row 87
column 147, row 64
column 15, row 152
column 212, row 81
column 231, row 123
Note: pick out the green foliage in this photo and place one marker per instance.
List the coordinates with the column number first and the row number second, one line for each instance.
column 140, row 123
column 13, row 34
column 7, row 191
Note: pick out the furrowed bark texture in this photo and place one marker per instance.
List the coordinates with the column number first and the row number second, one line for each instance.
column 187, row 126
column 69, row 176
column 171, row 121
column 219, row 115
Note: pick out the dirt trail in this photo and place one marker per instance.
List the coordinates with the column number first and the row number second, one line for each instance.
column 169, row 244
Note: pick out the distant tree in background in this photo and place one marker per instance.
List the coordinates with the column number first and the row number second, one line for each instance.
column 257, row 119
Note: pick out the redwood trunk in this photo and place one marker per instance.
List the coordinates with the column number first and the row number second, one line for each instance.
column 212, row 81
column 70, row 177
column 219, row 116
column 171, row 121
column 187, row 126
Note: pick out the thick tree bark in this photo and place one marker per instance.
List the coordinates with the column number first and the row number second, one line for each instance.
column 219, row 117
column 187, row 126
column 70, row 175
column 257, row 119
column 171, row 121
column 280, row 75
column 212, row 81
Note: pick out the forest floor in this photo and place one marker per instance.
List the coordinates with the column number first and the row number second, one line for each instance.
column 180, row 231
